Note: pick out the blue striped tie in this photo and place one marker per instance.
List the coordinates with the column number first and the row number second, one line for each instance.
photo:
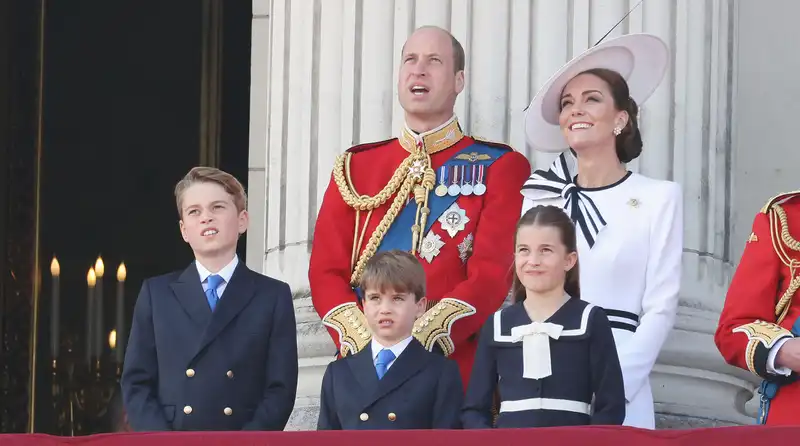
column 214, row 281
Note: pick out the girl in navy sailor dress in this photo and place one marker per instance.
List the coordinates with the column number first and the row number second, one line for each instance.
column 550, row 356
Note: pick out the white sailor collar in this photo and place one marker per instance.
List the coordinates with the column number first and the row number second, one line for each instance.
column 573, row 316
column 514, row 328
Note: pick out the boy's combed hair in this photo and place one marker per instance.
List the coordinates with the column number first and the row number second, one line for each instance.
column 204, row 174
column 396, row 270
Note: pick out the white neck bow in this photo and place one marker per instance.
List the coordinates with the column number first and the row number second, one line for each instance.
column 535, row 339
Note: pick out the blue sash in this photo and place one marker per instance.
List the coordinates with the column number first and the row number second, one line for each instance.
column 769, row 389
column 399, row 235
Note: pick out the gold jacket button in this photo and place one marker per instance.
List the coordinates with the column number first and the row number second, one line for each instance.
column 190, row 372
column 364, row 417
column 230, row 374
column 392, row 416
column 187, row 409
column 228, row 411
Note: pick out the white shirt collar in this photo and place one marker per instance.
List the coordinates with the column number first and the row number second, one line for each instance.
column 226, row 272
column 396, row 349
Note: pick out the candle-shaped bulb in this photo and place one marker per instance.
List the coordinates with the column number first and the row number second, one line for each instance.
column 112, row 339
column 55, row 268
column 99, row 268
column 91, row 277
column 121, row 272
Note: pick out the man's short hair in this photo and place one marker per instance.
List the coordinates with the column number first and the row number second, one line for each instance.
column 459, row 57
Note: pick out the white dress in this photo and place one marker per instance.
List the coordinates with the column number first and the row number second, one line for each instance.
column 630, row 243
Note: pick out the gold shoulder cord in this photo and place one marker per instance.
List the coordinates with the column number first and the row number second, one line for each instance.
column 415, row 173
column 779, row 229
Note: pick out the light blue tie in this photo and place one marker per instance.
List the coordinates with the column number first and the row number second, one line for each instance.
column 214, row 281
column 385, row 357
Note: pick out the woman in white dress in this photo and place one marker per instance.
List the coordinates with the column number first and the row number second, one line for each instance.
column 630, row 227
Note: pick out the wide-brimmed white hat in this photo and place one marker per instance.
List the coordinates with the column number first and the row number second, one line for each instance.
column 641, row 59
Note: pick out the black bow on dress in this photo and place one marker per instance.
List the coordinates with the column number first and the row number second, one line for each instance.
column 558, row 181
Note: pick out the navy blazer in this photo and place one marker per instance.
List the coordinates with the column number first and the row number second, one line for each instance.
column 421, row 390
column 187, row 368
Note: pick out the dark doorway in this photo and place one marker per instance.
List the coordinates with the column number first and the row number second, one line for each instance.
column 19, row 37
column 122, row 121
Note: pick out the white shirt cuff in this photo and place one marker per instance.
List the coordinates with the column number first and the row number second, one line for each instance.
column 773, row 353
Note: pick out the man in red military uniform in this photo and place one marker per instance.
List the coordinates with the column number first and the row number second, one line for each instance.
column 759, row 322
column 451, row 200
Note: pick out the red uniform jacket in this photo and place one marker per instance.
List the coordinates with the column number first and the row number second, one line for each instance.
column 482, row 278
column 760, row 308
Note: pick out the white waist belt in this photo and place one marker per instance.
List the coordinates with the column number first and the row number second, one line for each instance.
column 545, row 404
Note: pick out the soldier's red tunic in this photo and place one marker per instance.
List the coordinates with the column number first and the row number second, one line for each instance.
column 483, row 280
column 760, row 306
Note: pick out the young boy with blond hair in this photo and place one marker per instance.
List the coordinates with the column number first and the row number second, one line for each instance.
column 212, row 347
column 395, row 383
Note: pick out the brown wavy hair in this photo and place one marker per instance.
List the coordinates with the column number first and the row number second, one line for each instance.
column 556, row 218
column 629, row 141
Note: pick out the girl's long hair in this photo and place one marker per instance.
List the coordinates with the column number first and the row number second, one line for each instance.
column 556, row 218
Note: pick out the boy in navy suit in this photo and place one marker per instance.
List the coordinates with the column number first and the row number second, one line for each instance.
column 212, row 347
column 395, row 383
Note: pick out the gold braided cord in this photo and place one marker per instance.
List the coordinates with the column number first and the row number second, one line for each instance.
column 355, row 241
column 775, row 223
column 780, row 231
column 380, row 231
column 413, row 174
column 364, row 202
column 358, row 239
column 344, row 181
column 793, row 244
column 782, row 309
column 361, row 238
column 429, row 179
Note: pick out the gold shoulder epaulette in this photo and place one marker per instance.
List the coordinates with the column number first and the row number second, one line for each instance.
column 777, row 198
column 434, row 326
column 351, row 324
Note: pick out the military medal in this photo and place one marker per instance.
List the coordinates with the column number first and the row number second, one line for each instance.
column 480, row 188
column 466, row 188
column 441, row 189
column 416, row 170
column 431, row 246
column 454, row 188
column 465, row 248
column 454, row 219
